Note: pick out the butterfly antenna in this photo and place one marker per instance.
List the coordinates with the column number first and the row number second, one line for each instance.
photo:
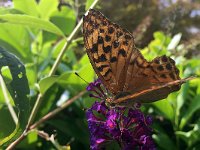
column 81, row 77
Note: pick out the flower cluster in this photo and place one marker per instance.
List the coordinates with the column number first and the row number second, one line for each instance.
column 126, row 126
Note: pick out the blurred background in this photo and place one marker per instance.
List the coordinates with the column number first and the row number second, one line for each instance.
column 170, row 27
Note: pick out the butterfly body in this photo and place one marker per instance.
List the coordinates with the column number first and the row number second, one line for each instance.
column 123, row 70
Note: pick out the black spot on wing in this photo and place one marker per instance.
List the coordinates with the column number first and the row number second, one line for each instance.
column 108, row 38
column 160, row 68
column 94, row 48
column 168, row 66
column 115, row 44
column 157, row 61
column 122, row 52
column 100, row 40
column 107, row 49
column 164, row 58
column 102, row 58
column 102, row 67
column 111, row 30
column 113, row 59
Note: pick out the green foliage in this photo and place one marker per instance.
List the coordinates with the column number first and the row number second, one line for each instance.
column 36, row 32
column 30, row 21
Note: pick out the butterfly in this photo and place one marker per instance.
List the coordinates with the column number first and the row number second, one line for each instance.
column 122, row 68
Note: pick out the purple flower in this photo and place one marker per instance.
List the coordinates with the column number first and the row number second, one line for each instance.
column 126, row 126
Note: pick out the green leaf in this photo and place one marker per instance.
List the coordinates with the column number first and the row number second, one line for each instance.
column 65, row 19
column 16, row 39
column 47, row 7
column 28, row 7
column 30, row 21
column 48, row 101
column 157, row 47
column 83, row 68
column 46, row 83
column 193, row 107
column 69, row 78
column 18, row 88
column 7, row 124
column 162, row 139
column 181, row 98
column 165, row 108
column 88, row 4
column 190, row 137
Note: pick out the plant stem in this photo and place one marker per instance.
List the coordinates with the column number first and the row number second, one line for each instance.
column 57, row 110
column 55, row 66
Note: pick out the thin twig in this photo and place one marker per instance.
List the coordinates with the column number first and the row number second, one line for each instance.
column 17, row 141
column 57, row 110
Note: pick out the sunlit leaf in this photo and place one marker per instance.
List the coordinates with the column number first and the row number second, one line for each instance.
column 47, row 7
column 88, row 4
column 16, row 39
column 165, row 108
column 28, row 7
column 30, row 21
column 46, row 83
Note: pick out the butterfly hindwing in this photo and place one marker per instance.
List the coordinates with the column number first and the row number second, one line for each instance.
column 159, row 71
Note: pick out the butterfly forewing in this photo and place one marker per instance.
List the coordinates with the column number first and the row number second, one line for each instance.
column 120, row 65
column 109, row 48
